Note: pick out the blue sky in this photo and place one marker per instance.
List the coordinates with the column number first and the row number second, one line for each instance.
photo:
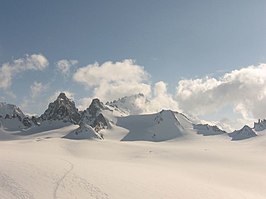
column 172, row 40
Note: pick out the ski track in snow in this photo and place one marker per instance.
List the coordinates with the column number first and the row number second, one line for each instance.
column 11, row 186
column 59, row 182
column 81, row 183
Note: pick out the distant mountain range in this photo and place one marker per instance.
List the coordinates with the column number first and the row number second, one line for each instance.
column 122, row 114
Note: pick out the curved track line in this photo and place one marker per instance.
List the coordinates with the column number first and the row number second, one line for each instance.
column 58, row 183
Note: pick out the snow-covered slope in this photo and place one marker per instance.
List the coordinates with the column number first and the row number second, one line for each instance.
column 49, row 167
column 62, row 109
column 153, row 127
column 85, row 131
column 244, row 133
column 46, row 125
column 12, row 124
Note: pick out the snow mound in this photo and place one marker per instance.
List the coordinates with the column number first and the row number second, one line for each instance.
column 157, row 127
column 83, row 132
column 244, row 133
column 207, row 130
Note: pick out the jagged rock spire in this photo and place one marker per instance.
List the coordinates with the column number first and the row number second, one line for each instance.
column 93, row 115
column 62, row 109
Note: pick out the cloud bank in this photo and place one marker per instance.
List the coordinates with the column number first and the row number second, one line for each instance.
column 243, row 89
column 29, row 62
column 160, row 99
column 113, row 80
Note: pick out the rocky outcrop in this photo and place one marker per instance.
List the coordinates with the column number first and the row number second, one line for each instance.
column 207, row 130
column 244, row 133
column 260, row 125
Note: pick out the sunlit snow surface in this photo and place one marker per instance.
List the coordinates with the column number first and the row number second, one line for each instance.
column 130, row 162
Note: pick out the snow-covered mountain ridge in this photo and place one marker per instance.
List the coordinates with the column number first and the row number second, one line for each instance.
column 11, row 117
column 101, row 120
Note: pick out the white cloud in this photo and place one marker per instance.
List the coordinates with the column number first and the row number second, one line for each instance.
column 161, row 99
column 114, row 80
column 29, row 62
column 84, row 103
column 64, row 66
column 243, row 89
column 37, row 88
column 33, row 102
column 111, row 81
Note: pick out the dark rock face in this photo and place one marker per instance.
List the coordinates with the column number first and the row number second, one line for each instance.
column 93, row 115
column 100, row 123
column 35, row 120
column 62, row 109
column 26, row 122
column 96, row 106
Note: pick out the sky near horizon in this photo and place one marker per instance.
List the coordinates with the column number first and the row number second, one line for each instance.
column 205, row 58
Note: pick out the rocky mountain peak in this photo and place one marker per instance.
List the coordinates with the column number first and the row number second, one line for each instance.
column 96, row 104
column 62, row 109
column 93, row 115
column 62, row 96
